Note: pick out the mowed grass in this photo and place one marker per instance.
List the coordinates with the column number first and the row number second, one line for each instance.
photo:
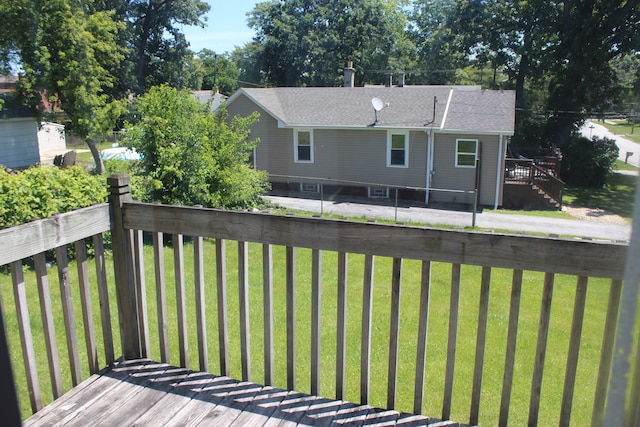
column 615, row 196
column 556, row 356
column 622, row 127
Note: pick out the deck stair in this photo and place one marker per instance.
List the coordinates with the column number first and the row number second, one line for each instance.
column 531, row 185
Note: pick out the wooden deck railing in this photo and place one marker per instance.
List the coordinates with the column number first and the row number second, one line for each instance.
column 34, row 244
column 152, row 319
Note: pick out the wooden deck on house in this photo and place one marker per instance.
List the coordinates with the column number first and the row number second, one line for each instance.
column 143, row 392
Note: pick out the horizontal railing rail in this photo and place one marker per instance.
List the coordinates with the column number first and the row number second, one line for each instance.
column 270, row 249
column 28, row 253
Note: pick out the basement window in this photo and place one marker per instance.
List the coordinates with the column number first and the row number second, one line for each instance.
column 306, row 187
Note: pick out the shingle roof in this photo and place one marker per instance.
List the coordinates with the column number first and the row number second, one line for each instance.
column 458, row 108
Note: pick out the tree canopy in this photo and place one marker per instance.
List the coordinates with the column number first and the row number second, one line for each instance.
column 307, row 43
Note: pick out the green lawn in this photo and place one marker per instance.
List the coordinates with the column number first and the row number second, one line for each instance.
column 622, row 166
column 616, row 196
column 622, row 127
column 564, row 293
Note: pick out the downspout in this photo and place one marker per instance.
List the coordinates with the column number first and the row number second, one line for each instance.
column 499, row 170
column 429, row 165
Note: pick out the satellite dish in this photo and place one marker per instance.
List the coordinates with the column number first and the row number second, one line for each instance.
column 377, row 104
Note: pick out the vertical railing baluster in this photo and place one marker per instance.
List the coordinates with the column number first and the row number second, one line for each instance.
column 48, row 326
column 316, row 312
column 291, row 316
column 423, row 324
column 454, row 304
column 24, row 326
column 267, row 288
column 201, row 318
column 243, row 301
column 85, row 302
column 541, row 348
column 103, row 298
column 574, row 350
column 161, row 296
column 67, row 314
column 394, row 333
column 141, row 292
column 606, row 355
column 178, row 268
column 10, row 405
column 221, row 289
column 341, row 333
column 510, row 355
column 483, row 317
column 365, row 342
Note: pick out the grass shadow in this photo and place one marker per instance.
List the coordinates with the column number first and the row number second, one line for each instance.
column 615, row 196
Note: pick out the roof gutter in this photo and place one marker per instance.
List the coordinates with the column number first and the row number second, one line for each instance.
column 499, row 170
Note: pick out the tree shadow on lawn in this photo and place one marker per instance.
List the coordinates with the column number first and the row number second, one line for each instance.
column 615, row 196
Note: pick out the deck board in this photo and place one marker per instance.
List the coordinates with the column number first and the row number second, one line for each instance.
column 142, row 393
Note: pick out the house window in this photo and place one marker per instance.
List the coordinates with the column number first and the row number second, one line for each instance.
column 378, row 192
column 398, row 149
column 309, row 188
column 303, row 146
column 466, row 153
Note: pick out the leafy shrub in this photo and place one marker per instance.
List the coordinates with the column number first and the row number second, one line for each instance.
column 589, row 162
column 42, row 192
column 191, row 156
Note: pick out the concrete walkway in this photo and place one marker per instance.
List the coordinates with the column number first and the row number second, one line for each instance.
column 484, row 220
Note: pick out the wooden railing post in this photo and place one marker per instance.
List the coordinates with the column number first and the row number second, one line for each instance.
column 119, row 193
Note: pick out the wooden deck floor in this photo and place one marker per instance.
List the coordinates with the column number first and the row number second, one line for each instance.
column 142, row 392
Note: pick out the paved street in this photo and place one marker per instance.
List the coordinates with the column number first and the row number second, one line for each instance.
column 485, row 220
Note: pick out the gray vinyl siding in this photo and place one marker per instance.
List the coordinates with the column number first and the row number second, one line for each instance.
column 343, row 155
column 19, row 143
column 350, row 155
column 449, row 177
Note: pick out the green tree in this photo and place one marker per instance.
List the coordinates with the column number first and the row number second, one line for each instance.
column 67, row 53
column 438, row 57
column 589, row 162
column 192, row 156
column 220, row 72
column 158, row 51
column 565, row 47
column 307, row 43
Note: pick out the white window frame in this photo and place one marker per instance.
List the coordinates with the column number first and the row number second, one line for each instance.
column 390, row 135
column 474, row 154
column 372, row 192
column 295, row 145
column 306, row 187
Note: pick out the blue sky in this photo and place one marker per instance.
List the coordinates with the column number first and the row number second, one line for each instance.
column 226, row 26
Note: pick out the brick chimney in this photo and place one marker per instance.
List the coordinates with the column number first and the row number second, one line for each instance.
column 401, row 79
column 349, row 75
column 388, row 79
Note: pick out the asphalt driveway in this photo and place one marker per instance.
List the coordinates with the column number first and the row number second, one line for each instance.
column 485, row 220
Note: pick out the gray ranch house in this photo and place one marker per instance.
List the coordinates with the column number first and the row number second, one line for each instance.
column 365, row 140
